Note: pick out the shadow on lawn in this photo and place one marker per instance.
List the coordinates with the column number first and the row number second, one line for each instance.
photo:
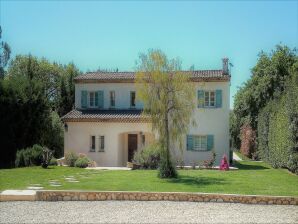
column 242, row 166
column 198, row 181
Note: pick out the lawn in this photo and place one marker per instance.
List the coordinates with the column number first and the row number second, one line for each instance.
column 251, row 178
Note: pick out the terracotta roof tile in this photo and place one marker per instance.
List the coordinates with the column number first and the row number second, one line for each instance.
column 130, row 76
column 132, row 115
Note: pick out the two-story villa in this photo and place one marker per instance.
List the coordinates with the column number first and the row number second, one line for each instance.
column 107, row 123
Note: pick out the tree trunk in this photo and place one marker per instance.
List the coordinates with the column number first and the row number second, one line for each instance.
column 167, row 138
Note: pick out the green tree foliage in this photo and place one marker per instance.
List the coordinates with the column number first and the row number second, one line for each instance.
column 168, row 99
column 4, row 54
column 53, row 137
column 30, row 95
column 267, row 82
column 67, row 89
column 24, row 113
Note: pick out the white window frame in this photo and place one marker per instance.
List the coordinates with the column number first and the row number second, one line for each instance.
column 91, row 148
column 199, row 143
column 207, row 95
column 111, row 99
column 89, row 99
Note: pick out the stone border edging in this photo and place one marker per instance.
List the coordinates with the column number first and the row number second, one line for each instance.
column 61, row 195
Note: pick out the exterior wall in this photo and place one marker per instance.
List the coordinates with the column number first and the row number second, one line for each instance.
column 77, row 139
column 122, row 93
column 214, row 121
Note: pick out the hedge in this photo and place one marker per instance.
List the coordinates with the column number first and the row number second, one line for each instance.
column 278, row 129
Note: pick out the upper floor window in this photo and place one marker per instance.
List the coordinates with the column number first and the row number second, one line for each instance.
column 92, row 99
column 209, row 98
column 112, row 99
column 132, row 99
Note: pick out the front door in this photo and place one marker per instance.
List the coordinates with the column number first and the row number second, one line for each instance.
column 132, row 145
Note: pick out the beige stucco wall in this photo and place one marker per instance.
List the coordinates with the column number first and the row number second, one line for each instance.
column 77, row 139
column 213, row 121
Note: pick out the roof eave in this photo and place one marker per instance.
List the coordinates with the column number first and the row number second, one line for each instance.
column 194, row 79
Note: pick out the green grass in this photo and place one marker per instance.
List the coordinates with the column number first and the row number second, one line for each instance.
column 251, row 178
column 243, row 157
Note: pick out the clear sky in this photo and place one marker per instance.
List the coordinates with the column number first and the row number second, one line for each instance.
column 102, row 34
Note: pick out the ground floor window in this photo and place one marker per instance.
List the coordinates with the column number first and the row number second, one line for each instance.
column 199, row 143
column 102, row 143
column 92, row 143
column 143, row 139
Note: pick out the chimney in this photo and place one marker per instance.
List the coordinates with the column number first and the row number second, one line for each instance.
column 225, row 66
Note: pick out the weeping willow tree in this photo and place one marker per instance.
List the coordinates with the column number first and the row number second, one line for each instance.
column 168, row 98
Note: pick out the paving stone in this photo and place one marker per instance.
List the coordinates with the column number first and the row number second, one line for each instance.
column 34, row 188
column 56, row 185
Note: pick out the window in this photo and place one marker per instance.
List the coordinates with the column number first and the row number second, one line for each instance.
column 132, row 99
column 143, row 139
column 209, row 98
column 200, row 143
column 102, row 143
column 92, row 144
column 112, row 99
column 91, row 99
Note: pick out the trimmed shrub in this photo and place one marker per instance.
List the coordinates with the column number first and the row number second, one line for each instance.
column 82, row 162
column 148, row 157
column 71, row 158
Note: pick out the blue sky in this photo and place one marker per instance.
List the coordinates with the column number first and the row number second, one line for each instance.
column 102, row 34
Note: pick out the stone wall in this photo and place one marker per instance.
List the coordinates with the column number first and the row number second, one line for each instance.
column 162, row 196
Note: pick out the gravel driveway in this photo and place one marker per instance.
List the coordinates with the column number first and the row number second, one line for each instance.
column 144, row 212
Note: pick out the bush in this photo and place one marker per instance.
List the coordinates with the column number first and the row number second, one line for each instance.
column 29, row 156
column 209, row 163
column 53, row 162
column 71, row 158
column 82, row 162
column 248, row 141
column 20, row 158
column 149, row 157
column 37, row 154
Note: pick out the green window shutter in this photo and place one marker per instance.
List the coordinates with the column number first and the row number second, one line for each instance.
column 96, row 99
column 189, row 142
column 100, row 99
column 210, row 142
column 218, row 94
column 84, row 94
column 200, row 98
